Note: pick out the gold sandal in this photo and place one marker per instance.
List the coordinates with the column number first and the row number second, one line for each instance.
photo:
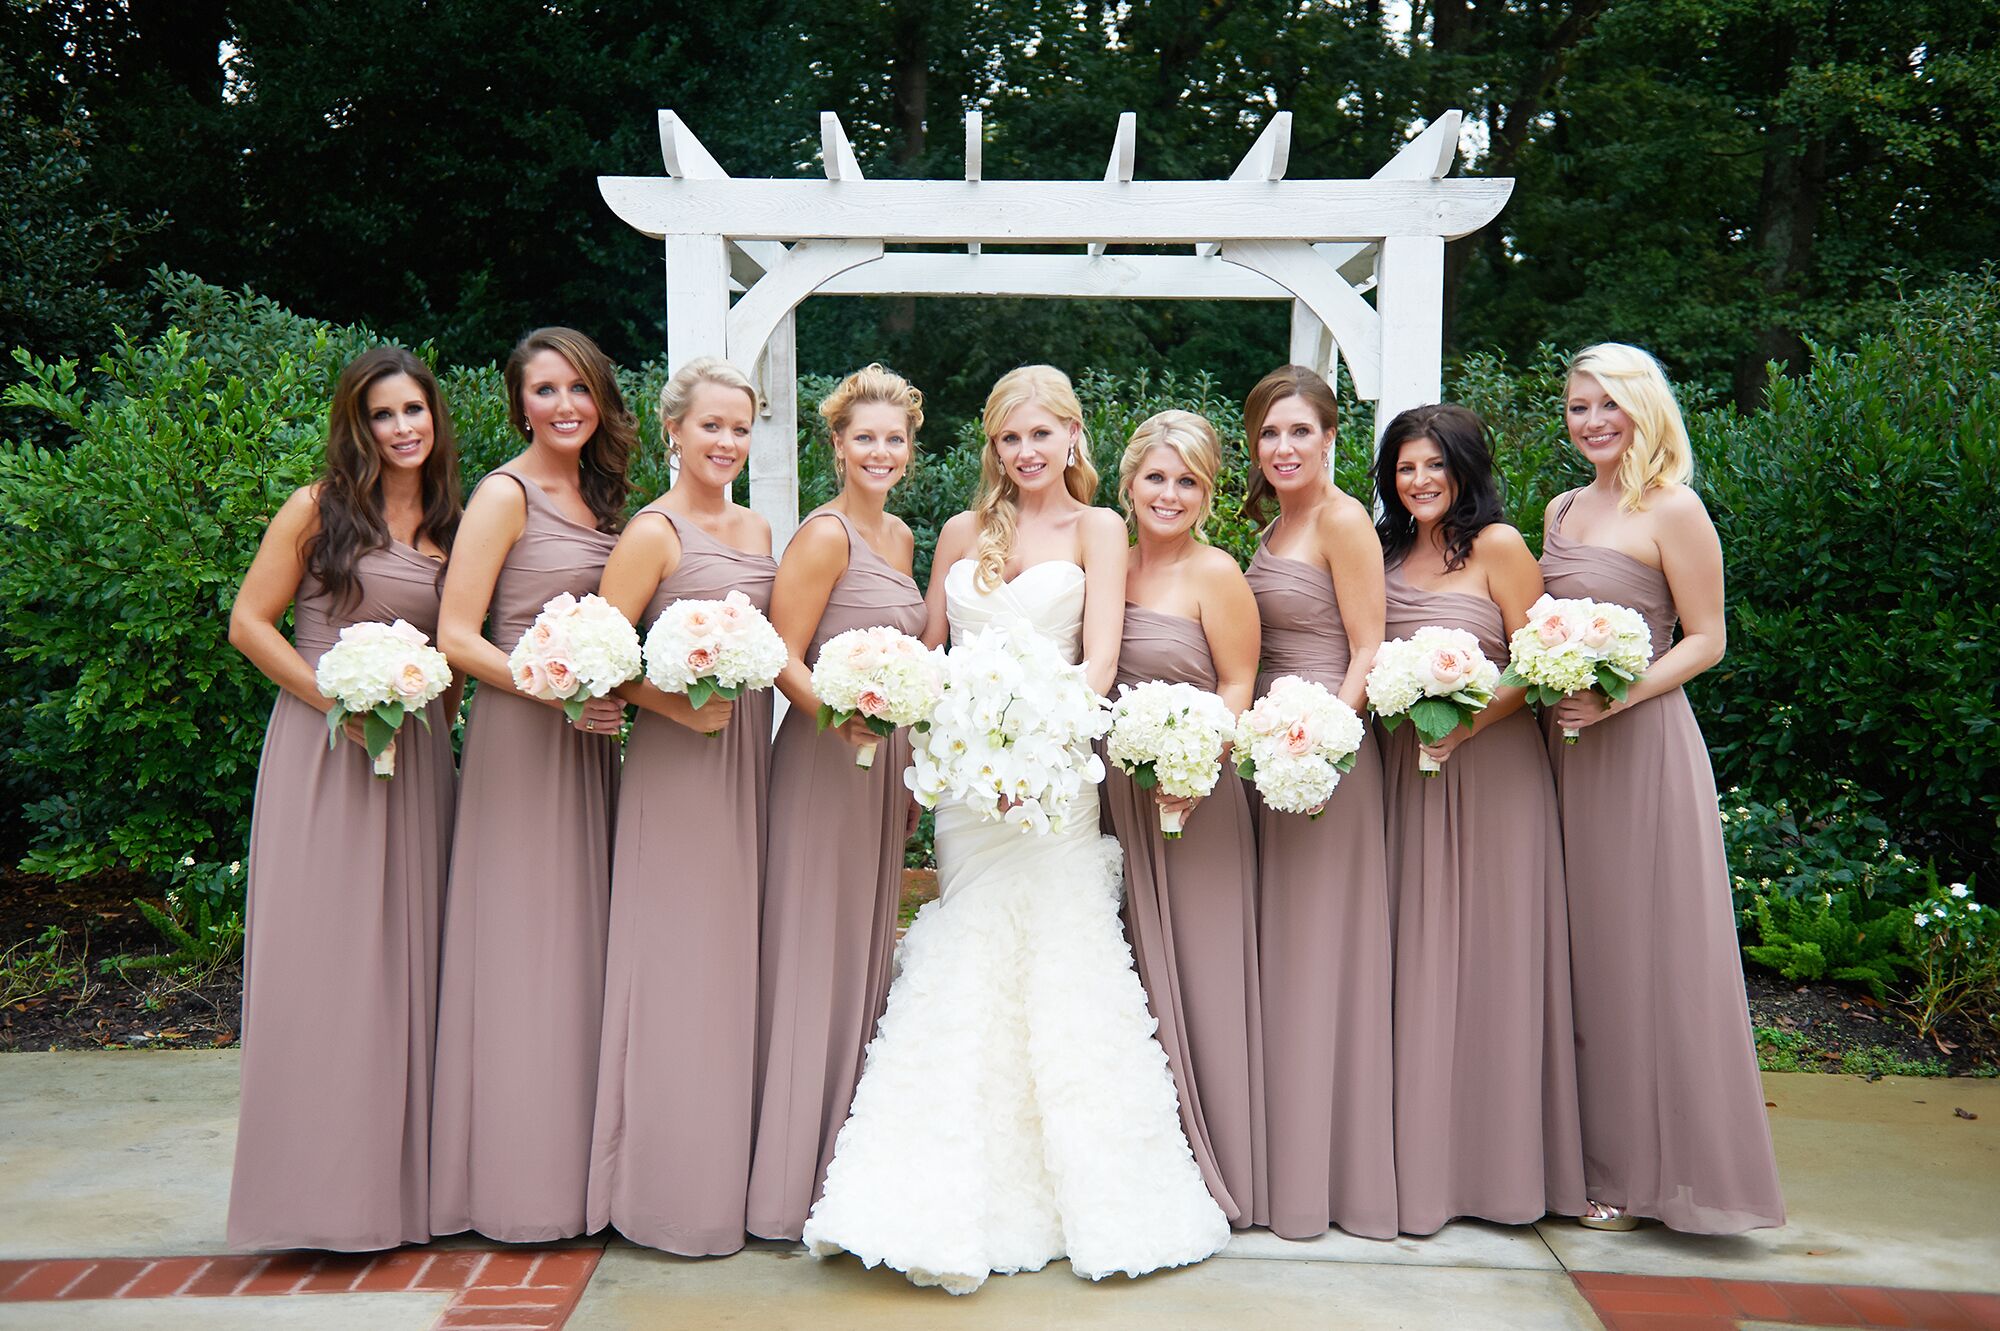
column 1612, row 1219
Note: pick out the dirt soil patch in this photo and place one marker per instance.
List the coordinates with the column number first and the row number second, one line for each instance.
column 1834, row 1021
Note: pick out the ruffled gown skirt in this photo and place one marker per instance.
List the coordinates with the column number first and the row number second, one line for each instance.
column 1014, row 1106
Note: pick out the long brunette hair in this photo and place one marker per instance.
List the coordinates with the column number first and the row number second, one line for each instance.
column 351, row 521
column 1468, row 459
column 601, row 469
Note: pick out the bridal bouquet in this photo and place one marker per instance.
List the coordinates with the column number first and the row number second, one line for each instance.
column 1437, row 678
column 1169, row 736
column 381, row 673
column 1295, row 743
column 1568, row 646
column 886, row 678
column 576, row 650
column 1015, row 722
column 713, row 649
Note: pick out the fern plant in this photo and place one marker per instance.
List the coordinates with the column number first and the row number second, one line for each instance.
column 1829, row 936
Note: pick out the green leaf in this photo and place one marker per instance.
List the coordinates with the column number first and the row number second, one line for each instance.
column 335, row 719
column 380, row 732
column 699, row 693
column 1434, row 718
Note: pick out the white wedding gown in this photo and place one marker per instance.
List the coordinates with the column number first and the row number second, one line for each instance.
column 1014, row 1106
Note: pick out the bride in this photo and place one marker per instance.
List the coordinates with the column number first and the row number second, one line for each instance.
column 1014, row 1106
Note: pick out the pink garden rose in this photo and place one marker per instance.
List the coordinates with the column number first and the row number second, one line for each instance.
column 411, row 682
column 871, row 702
column 1552, row 629
column 560, row 675
column 1448, row 668
column 701, row 659
column 1598, row 631
column 530, row 677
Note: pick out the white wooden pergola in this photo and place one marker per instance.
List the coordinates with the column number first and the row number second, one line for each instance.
column 1320, row 244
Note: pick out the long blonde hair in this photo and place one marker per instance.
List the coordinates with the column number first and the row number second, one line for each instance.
column 1193, row 440
column 1659, row 453
column 871, row 384
column 996, row 505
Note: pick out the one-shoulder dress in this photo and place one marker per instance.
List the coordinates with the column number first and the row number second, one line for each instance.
column 670, row 1154
column 1323, row 952
column 1191, row 913
column 1486, row 1121
column 340, row 972
column 833, row 876
column 522, row 979
column 1672, row 1106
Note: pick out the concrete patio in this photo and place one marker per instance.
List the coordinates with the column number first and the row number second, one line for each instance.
column 112, row 1161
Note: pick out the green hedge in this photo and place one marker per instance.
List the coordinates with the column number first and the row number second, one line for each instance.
column 1857, row 515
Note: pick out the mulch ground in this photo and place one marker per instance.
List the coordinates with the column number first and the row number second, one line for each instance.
column 146, row 1009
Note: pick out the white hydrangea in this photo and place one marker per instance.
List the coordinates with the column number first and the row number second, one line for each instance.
column 577, row 649
column 1169, row 737
column 1295, row 743
column 1014, row 722
column 382, row 672
column 707, row 647
column 881, row 675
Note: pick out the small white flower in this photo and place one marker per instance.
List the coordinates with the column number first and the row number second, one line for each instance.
column 1972, row 905
column 235, row 868
column 1920, row 920
column 187, row 861
column 1960, row 890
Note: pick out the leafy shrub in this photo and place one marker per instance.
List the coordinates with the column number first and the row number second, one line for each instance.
column 1830, row 936
column 1789, row 850
column 201, row 921
column 1955, row 943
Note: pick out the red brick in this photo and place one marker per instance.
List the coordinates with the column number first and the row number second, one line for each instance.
column 507, row 1268
column 338, row 1273
column 1818, row 1305
column 452, row 1270
column 221, row 1276
column 511, row 1296
column 106, row 1279
column 43, row 1280
column 1934, row 1311
column 1688, row 1304
column 395, row 1270
column 1984, row 1309
column 1755, row 1298
column 11, row 1273
column 1596, row 1280
column 165, row 1277
column 1669, row 1322
column 565, row 1266
column 1877, row 1305
column 282, row 1274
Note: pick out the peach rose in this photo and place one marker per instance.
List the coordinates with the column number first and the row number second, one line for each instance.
column 1448, row 668
column 870, row 702
column 530, row 678
column 1298, row 739
column 701, row 660
column 540, row 637
column 698, row 622
column 411, row 682
column 1598, row 633
column 561, row 676
column 1552, row 629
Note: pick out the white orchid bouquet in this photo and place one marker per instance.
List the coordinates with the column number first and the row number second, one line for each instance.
column 713, row 649
column 577, row 649
column 1011, row 735
column 1169, row 737
column 1568, row 646
column 381, row 673
column 885, row 677
column 1295, row 743
column 1437, row 679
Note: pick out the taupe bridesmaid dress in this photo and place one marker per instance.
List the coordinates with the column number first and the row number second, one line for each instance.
column 522, row 983
column 1486, row 1121
column 670, row 1152
column 833, row 877
column 1672, row 1107
column 1191, row 914
column 1323, row 952
column 340, row 974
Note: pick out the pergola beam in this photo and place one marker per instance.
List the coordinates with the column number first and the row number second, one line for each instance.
column 1268, row 159
column 686, row 159
column 1055, row 212
column 1056, row 276
column 1119, row 172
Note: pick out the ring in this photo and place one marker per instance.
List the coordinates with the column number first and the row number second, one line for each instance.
column 590, row 725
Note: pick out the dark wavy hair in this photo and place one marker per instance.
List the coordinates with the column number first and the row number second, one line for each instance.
column 1281, row 383
column 1468, row 459
column 351, row 522
column 601, row 470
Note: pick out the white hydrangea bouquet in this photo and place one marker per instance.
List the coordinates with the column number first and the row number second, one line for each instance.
column 1568, row 646
column 1014, row 723
column 577, row 649
column 713, row 649
column 381, row 673
column 1169, row 737
column 885, row 677
column 1295, row 743
column 1437, row 679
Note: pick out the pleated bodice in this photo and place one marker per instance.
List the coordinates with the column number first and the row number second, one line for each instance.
column 1158, row 645
column 554, row 554
column 1303, row 632
column 395, row 582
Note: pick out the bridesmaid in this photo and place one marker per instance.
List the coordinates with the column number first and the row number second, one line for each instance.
column 1485, row 1057
column 834, row 864
column 523, row 973
column 1191, row 903
column 1672, row 1107
column 346, row 871
column 670, row 1152
column 1323, row 914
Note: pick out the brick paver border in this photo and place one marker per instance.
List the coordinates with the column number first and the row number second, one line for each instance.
column 517, row 1289
column 1670, row 1303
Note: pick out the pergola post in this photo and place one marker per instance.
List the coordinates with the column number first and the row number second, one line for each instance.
column 1409, row 294
column 774, row 435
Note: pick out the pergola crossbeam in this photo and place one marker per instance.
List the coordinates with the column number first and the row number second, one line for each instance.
column 1268, row 159
column 1055, row 276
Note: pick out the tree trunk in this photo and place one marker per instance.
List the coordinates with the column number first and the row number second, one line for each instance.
column 1788, row 214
